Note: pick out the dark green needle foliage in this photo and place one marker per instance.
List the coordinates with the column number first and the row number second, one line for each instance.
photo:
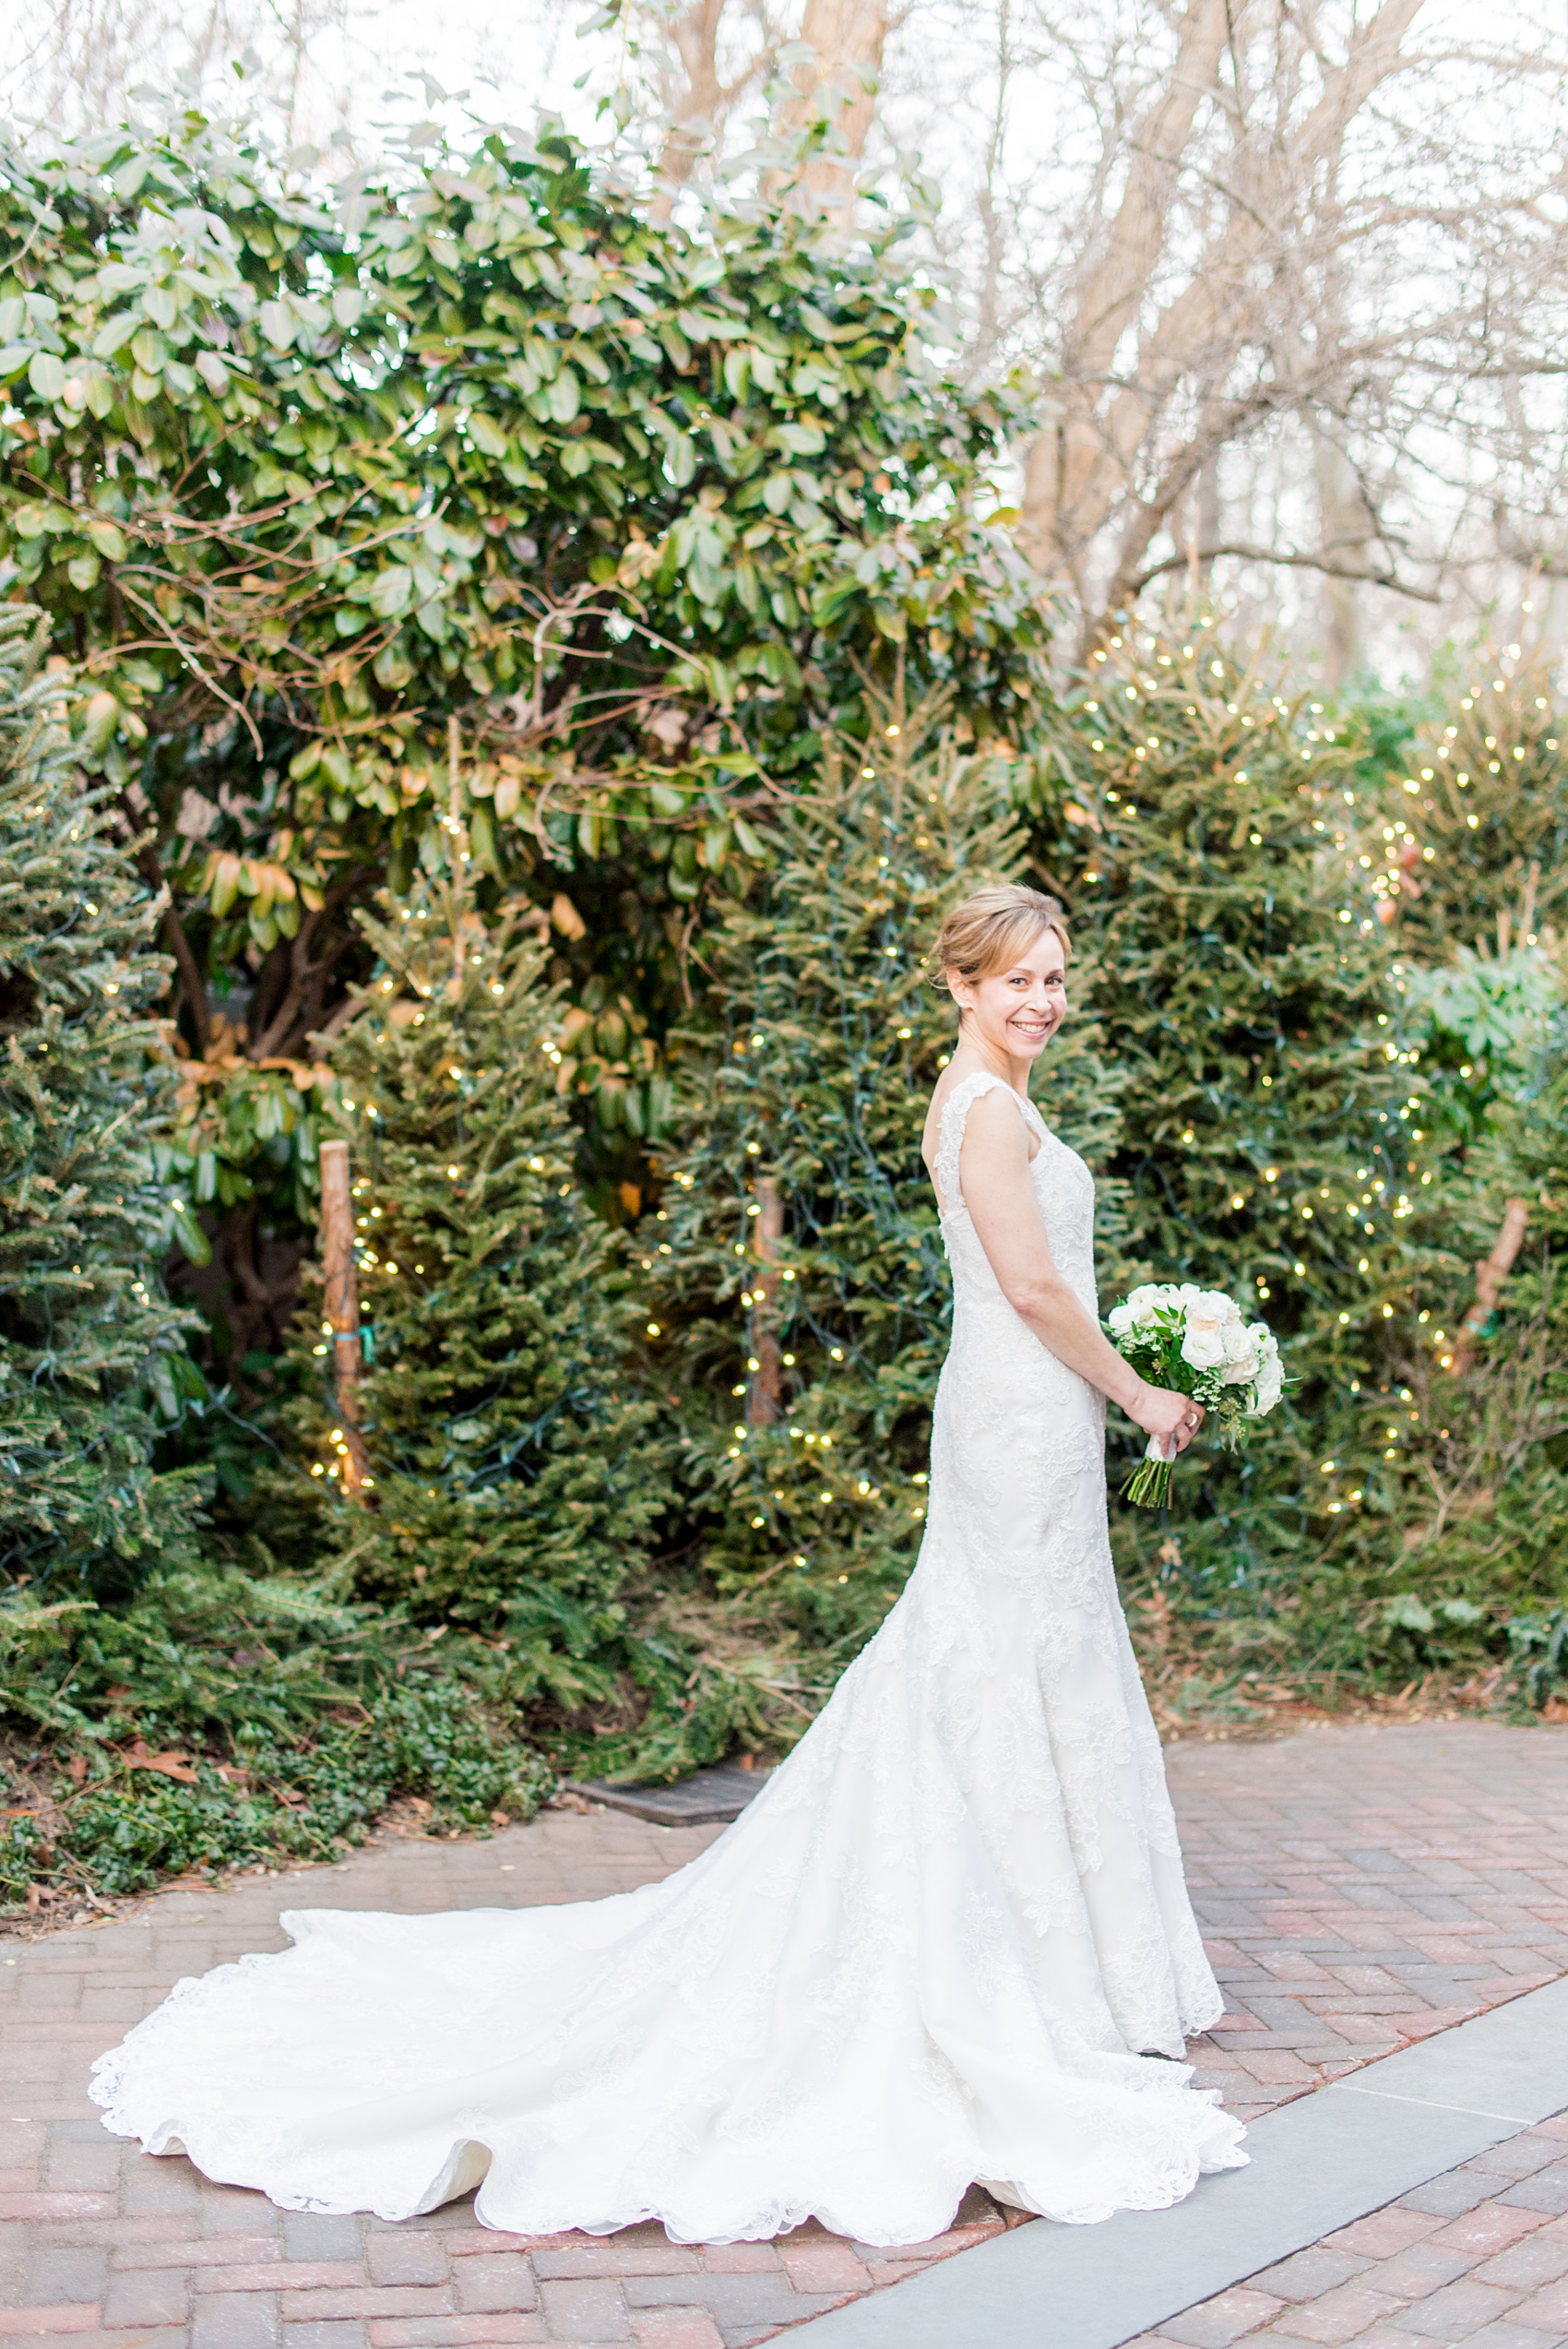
column 92, row 1354
column 1480, row 801
column 806, row 1079
column 517, row 1474
column 1489, row 1537
column 1272, row 1141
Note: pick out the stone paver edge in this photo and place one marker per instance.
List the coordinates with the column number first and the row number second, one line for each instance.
column 1318, row 2164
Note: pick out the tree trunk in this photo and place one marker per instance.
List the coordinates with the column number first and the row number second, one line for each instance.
column 343, row 1308
column 1489, row 1276
column 764, row 1404
column 1344, row 525
column 1151, row 383
column 838, row 80
column 694, row 37
column 1111, row 288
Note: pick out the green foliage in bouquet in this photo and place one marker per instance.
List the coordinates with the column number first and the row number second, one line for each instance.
column 92, row 1356
column 796, row 1262
column 1274, row 1141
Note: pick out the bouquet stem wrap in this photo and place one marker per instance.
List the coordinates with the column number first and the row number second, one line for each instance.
column 1149, row 1484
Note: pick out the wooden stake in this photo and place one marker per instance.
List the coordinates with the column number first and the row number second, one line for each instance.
column 1490, row 1277
column 343, row 1308
column 764, row 1404
column 457, row 842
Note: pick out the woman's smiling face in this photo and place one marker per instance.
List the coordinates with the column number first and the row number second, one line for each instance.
column 1016, row 1008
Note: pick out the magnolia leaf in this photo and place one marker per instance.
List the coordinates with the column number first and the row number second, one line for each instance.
column 392, row 591
column 487, row 435
column 117, row 333
column 108, row 538
column 99, row 721
column 277, row 323
column 46, row 373
column 198, row 1248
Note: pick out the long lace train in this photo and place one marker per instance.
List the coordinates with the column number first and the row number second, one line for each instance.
column 936, row 1948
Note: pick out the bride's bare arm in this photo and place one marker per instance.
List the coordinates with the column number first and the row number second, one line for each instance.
column 994, row 1174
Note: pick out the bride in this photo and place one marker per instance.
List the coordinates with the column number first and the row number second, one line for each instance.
column 948, row 1941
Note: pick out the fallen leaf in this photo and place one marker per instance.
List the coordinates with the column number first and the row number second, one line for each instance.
column 171, row 1765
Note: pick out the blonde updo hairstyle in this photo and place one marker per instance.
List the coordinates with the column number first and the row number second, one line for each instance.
column 991, row 929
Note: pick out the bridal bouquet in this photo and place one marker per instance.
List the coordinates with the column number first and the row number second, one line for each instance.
column 1197, row 1343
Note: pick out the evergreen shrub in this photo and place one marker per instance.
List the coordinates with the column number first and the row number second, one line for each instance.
column 1274, row 1136
column 518, row 1469
column 1467, row 835
column 803, row 1367
column 92, row 1355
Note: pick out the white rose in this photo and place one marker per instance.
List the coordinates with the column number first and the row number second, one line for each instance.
column 1122, row 1318
column 1203, row 1344
column 1241, row 1358
column 1270, row 1385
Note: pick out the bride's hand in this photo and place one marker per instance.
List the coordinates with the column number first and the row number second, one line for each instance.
column 1160, row 1412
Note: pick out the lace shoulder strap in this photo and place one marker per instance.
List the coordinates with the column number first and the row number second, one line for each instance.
column 954, row 1117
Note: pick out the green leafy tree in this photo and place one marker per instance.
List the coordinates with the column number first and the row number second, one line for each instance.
column 92, row 1357
column 1275, row 1140
column 515, row 1473
column 801, row 1291
column 313, row 476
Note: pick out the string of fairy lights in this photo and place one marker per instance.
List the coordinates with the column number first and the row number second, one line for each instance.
column 800, row 1471
column 1141, row 717
column 1142, row 713
column 464, row 951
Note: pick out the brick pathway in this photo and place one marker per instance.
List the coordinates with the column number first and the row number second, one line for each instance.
column 1480, row 2256
column 1359, row 1888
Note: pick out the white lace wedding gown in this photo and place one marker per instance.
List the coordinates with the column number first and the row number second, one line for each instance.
column 933, row 1950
